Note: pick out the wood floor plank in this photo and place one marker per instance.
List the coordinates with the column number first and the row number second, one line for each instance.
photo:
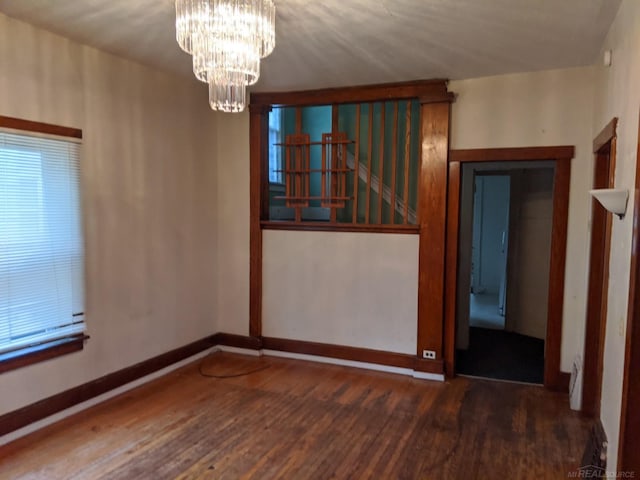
column 302, row 420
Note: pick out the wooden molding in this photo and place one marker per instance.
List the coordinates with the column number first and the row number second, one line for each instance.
column 37, row 411
column 356, row 354
column 564, row 382
column 258, row 210
column 553, row 341
column 40, row 353
column 39, row 127
column 629, row 441
column 512, row 154
column 451, row 270
column 605, row 135
column 338, row 227
column 238, row 341
column 597, row 293
column 429, row 366
column 432, row 218
column 426, row 90
column 553, row 378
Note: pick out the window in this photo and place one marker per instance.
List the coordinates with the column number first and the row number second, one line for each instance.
column 41, row 248
column 350, row 164
column 275, row 150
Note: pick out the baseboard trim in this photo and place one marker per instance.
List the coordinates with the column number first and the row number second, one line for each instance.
column 353, row 354
column 400, row 363
column 564, row 380
column 393, row 362
column 239, row 350
column 239, row 341
column 34, row 412
column 354, row 364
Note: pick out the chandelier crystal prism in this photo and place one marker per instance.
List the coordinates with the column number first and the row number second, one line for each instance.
column 227, row 39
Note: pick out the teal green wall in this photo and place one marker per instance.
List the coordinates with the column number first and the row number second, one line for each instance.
column 317, row 120
column 288, row 126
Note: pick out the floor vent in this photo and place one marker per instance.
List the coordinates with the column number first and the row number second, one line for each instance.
column 594, row 460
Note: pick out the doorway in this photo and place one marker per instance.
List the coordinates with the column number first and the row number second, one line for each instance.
column 504, row 248
column 604, row 147
column 560, row 158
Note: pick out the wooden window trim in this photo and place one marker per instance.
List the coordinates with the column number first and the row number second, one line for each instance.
column 39, row 127
column 434, row 98
column 337, row 227
column 428, row 91
column 41, row 352
column 425, row 91
column 62, row 346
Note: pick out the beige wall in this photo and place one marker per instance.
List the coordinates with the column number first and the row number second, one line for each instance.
column 232, row 204
column 528, row 286
column 617, row 94
column 149, row 201
column 552, row 107
column 356, row 289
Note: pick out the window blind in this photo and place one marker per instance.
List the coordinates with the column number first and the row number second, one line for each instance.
column 41, row 248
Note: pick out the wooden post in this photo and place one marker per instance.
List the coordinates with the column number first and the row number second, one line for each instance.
column 258, row 208
column 432, row 218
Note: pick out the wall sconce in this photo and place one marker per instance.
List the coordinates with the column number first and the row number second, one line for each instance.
column 613, row 200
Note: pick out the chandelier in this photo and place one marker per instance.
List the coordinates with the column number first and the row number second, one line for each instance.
column 227, row 39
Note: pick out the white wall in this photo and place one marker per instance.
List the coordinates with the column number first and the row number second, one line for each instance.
column 617, row 94
column 149, row 201
column 552, row 107
column 356, row 289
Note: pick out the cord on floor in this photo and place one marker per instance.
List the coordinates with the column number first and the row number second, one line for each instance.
column 233, row 375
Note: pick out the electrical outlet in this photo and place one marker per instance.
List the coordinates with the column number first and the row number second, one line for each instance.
column 430, row 354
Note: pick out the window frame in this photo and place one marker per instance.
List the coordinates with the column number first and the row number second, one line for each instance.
column 49, row 349
column 425, row 91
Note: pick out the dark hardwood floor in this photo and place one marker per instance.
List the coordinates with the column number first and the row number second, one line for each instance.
column 300, row 420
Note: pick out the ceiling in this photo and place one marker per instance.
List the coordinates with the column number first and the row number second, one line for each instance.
column 352, row 42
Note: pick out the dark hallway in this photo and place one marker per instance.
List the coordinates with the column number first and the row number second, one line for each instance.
column 502, row 355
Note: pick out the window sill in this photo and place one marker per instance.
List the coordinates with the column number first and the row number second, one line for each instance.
column 338, row 227
column 40, row 353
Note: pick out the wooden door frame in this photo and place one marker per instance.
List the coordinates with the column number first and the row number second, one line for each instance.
column 604, row 149
column 629, row 442
column 562, row 155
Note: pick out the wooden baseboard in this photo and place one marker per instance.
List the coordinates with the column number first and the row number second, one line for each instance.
column 24, row 416
column 428, row 366
column 356, row 354
column 238, row 341
column 564, row 379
